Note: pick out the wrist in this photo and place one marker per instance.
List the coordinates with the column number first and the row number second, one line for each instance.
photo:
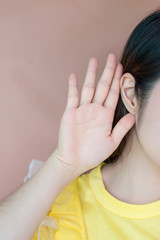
column 68, row 172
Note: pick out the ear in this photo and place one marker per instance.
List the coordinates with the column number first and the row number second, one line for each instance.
column 127, row 87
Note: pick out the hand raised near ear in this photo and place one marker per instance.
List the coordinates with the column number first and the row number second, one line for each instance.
column 86, row 137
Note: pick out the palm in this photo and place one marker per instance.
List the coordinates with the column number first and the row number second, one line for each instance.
column 88, row 127
column 85, row 137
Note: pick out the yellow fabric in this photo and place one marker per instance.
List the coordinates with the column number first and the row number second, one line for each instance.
column 86, row 210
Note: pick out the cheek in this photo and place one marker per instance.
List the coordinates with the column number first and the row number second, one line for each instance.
column 149, row 137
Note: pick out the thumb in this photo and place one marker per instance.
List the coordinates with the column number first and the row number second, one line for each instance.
column 122, row 127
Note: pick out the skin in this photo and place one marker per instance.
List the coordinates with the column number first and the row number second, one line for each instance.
column 140, row 170
column 82, row 128
column 135, row 177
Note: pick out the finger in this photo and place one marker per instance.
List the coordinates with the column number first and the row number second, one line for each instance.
column 72, row 100
column 105, row 80
column 112, row 98
column 121, row 128
column 89, row 83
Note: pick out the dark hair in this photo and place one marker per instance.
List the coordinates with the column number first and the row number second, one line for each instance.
column 141, row 58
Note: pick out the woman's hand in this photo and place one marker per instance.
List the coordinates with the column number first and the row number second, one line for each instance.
column 86, row 137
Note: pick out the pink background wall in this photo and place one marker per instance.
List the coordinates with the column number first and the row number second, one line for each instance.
column 41, row 43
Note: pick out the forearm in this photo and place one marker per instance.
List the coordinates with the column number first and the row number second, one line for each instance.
column 22, row 212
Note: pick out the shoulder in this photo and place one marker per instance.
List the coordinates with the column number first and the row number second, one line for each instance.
column 64, row 218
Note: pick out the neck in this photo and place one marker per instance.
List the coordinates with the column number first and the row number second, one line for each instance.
column 134, row 178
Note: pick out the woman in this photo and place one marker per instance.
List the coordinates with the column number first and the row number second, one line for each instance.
column 103, row 179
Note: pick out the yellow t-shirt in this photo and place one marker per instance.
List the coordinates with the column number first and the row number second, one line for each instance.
column 86, row 210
